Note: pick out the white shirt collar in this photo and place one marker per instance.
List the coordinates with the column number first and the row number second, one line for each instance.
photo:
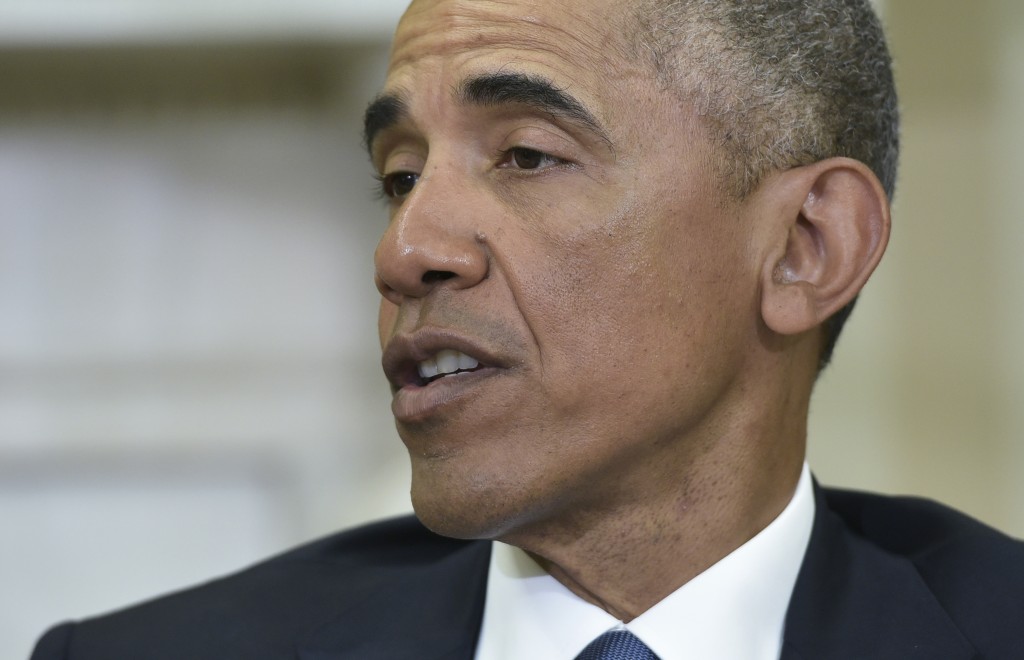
column 735, row 610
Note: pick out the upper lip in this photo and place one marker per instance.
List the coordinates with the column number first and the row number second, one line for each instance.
column 404, row 352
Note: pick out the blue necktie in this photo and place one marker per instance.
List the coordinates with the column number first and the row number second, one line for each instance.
column 617, row 645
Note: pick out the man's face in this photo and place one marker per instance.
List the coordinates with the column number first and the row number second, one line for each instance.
column 557, row 232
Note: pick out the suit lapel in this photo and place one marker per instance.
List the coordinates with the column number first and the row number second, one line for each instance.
column 429, row 612
column 855, row 600
column 852, row 600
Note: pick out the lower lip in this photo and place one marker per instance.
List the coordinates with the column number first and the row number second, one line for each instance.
column 419, row 403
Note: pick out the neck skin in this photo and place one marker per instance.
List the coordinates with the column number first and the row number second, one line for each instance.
column 678, row 520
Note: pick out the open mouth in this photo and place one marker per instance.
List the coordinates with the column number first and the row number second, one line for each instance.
column 431, row 370
column 448, row 362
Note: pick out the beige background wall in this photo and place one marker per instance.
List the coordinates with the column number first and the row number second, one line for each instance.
column 188, row 373
column 927, row 392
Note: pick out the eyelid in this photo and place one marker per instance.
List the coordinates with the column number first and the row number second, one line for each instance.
column 398, row 163
column 396, row 142
column 544, row 138
column 401, row 160
column 551, row 140
column 506, row 159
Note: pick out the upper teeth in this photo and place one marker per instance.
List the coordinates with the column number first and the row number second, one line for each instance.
column 446, row 362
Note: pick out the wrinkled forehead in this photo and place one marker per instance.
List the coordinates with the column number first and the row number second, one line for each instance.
column 583, row 34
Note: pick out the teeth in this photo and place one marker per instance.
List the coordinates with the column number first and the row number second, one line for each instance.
column 428, row 369
column 446, row 362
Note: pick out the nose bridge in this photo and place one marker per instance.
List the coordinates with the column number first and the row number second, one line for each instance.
column 432, row 241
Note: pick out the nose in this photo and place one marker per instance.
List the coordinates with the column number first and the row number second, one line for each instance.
column 432, row 241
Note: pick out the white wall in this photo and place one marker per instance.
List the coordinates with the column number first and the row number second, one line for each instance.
column 189, row 377
column 66, row 22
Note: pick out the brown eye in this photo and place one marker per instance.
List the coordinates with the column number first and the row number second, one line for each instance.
column 399, row 184
column 528, row 159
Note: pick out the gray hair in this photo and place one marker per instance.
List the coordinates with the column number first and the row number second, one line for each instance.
column 781, row 83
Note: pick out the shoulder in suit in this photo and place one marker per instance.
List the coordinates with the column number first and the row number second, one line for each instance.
column 884, row 578
column 901, row 578
column 373, row 592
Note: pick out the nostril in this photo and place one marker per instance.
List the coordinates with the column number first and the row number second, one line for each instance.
column 434, row 276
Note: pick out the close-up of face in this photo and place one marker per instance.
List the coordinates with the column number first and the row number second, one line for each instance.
column 568, row 293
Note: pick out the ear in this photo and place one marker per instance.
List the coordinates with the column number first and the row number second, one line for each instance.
column 831, row 228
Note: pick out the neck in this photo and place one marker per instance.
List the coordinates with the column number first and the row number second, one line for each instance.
column 628, row 563
column 662, row 530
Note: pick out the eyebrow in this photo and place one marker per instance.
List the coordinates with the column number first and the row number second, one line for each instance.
column 383, row 112
column 536, row 92
column 491, row 90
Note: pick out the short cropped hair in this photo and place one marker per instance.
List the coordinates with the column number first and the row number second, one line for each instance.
column 781, row 83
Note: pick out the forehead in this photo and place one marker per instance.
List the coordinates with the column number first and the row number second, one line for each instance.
column 581, row 27
column 576, row 43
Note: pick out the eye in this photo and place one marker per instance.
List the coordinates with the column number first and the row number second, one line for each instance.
column 529, row 159
column 398, row 184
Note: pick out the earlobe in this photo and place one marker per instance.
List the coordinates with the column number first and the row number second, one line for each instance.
column 832, row 228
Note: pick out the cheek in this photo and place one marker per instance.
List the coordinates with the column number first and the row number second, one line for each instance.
column 639, row 299
column 386, row 318
column 588, row 309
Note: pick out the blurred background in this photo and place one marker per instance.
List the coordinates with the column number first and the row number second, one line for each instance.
column 189, row 375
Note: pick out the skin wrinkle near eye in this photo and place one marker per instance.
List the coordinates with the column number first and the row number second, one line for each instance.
column 540, row 138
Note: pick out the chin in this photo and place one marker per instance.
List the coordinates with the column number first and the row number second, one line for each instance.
column 451, row 507
column 456, row 524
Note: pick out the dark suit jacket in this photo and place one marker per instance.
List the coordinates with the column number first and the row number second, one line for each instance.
column 884, row 578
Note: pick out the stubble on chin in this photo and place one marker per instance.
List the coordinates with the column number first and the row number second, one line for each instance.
column 452, row 503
